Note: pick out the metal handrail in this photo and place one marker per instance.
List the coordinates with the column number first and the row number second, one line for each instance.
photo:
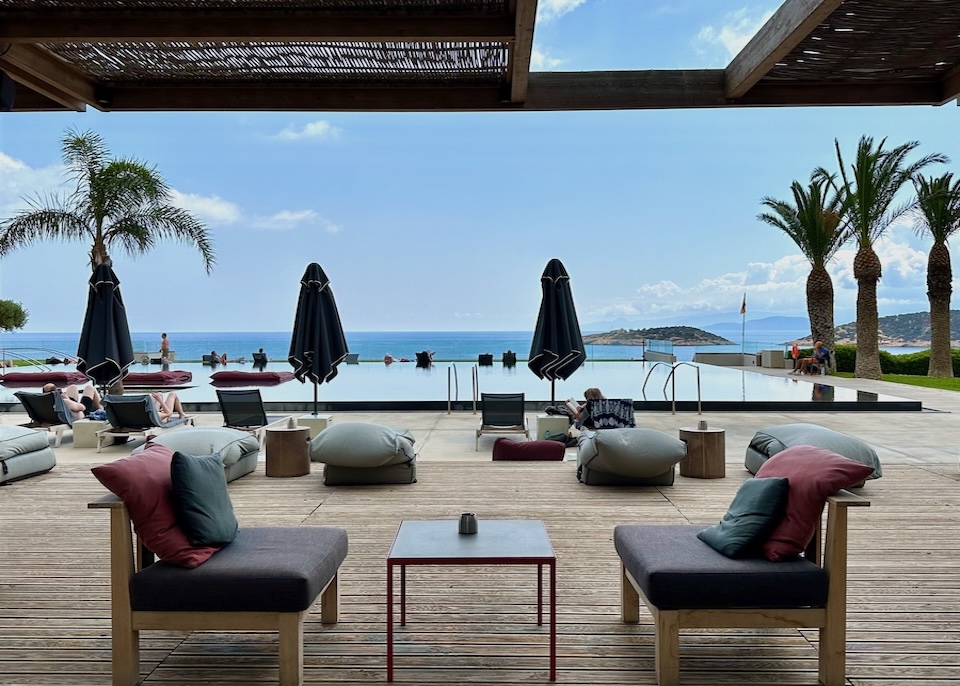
column 452, row 373
column 643, row 390
column 672, row 379
column 475, row 376
column 21, row 354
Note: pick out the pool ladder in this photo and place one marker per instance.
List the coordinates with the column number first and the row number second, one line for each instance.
column 672, row 380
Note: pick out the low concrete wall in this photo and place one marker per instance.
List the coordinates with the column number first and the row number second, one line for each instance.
column 727, row 359
column 654, row 356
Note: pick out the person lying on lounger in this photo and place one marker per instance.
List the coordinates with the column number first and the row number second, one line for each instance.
column 81, row 404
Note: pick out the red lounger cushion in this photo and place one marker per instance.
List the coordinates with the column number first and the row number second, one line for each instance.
column 250, row 378
column 157, row 378
column 506, row 449
column 40, row 378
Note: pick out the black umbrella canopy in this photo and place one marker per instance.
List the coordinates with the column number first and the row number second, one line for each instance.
column 557, row 348
column 318, row 344
column 105, row 352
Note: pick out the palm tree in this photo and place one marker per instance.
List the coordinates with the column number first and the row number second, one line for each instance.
column 117, row 203
column 938, row 214
column 869, row 188
column 813, row 223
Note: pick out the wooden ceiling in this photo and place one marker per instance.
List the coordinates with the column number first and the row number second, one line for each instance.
column 447, row 55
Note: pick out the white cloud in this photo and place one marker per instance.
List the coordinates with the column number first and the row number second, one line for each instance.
column 541, row 61
column 18, row 183
column 726, row 40
column 317, row 130
column 287, row 220
column 554, row 9
column 208, row 209
column 779, row 287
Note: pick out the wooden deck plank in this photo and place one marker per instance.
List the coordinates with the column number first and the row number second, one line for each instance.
column 903, row 614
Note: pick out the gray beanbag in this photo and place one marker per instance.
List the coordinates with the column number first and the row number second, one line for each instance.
column 768, row 442
column 628, row 456
column 236, row 449
column 356, row 453
column 24, row 452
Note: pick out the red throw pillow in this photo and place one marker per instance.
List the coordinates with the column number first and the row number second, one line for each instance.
column 506, row 449
column 814, row 474
column 143, row 482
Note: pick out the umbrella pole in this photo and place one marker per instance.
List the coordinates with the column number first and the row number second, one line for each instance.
column 553, row 397
column 315, row 398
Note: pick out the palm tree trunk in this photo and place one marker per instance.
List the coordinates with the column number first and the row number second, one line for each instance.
column 941, row 356
column 868, row 349
column 939, row 290
column 820, row 308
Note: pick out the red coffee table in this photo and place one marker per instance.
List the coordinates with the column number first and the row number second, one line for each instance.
column 497, row 542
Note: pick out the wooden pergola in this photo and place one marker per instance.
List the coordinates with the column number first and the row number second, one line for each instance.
column 447, row 55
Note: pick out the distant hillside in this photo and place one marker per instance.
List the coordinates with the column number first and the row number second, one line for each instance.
column 678, row 335
column 902, row 329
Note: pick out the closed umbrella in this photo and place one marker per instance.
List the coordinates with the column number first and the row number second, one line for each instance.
column 557, row 348
column 105, row 352
column 318, row 344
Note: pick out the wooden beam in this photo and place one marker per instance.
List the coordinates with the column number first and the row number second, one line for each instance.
column 519, row 70
column 950, row 86
column 789, row 25
column 28, row 100
column 842, row 94
column 48, row 76
column 625, row 90
column 43, row 26
column 307, row 98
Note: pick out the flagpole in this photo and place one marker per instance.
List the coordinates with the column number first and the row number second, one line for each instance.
column 743, row 325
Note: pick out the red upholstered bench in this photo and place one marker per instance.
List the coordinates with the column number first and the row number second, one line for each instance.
column 507, row 449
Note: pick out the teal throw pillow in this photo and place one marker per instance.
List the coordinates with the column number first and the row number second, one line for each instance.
column 201, row 502
column 756, row 510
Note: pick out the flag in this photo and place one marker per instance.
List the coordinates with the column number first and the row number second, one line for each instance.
column 743, row 307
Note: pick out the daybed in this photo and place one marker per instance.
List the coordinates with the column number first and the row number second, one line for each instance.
column 24, row 452
column 38, row 379
column 236, row 449
column 231, row 378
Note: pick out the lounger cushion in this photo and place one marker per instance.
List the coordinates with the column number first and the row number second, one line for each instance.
column 507, row 449
column 676, row 570
column 200, row 500
column 363, row 445
column 756, row 509
column 143, row 482
column 772, row 440
column 814, row 474
column 268, row 569
column 638, row 453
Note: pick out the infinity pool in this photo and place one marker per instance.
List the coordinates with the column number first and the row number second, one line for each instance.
column 404, row 386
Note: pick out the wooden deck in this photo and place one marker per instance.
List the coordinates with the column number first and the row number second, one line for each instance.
column 478, row 625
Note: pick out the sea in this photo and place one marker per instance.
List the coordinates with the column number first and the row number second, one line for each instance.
column 447, row 346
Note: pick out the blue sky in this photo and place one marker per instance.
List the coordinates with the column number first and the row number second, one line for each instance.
column 445, row 221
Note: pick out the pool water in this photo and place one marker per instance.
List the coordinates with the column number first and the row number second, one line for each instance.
column 376, row 383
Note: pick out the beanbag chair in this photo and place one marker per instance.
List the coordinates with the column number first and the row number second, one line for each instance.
column 507, row 449
column 364, row 453
column 640, row 457
column 237, row 449
column 768, row 442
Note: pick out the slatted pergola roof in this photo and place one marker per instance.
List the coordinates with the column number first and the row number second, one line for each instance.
column 447, row 55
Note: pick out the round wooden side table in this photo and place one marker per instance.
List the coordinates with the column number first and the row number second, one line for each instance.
column 706, row 453
column 288, row 451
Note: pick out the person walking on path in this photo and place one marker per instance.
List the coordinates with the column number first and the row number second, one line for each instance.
column 164, row 346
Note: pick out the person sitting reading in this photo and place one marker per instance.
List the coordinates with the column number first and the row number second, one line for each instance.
column 820, row 357
column 580, row 418
column 82, row 405
column 167, row 406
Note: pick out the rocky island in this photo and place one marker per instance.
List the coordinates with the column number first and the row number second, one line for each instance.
column 678, row 335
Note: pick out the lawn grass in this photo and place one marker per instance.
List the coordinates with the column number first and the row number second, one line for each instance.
column 924, row 381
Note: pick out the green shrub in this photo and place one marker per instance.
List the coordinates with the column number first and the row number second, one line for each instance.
column 909, row 364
